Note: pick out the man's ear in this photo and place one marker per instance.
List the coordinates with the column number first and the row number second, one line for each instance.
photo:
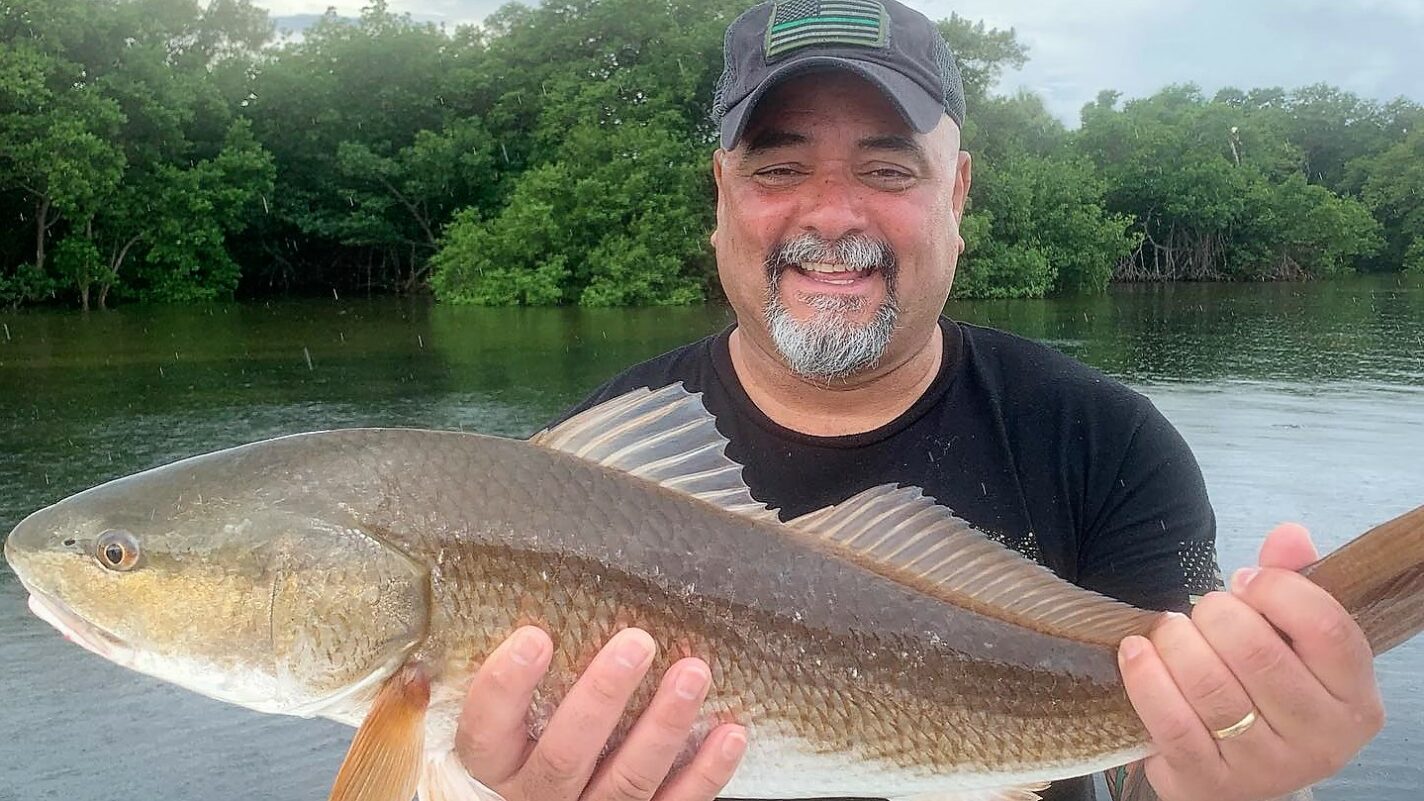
column 963, row 177
column 719, row 158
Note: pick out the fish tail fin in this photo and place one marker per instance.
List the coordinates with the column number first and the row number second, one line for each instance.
column 1379, row 578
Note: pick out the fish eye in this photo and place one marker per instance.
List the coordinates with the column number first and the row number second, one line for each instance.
column 117, row 550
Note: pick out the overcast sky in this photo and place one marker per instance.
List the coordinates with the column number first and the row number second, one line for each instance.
column 1078, row 47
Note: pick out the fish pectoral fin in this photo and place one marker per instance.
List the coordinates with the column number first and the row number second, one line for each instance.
column 1028, row 792
column 445, row 779
column 384, row 761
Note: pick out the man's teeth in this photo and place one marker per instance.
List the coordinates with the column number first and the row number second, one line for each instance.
column 826, row 267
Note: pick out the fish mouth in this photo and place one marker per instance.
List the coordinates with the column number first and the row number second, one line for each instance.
column 75, row 629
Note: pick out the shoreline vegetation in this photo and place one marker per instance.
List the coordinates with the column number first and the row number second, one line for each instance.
column 172, row 151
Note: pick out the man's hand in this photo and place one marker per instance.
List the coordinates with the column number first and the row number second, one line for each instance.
column 1277, row 647
column 493, row 737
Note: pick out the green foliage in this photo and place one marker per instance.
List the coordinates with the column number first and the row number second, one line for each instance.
column 1037, row 226
column 1219, row 191
column 29, row 284
column 991, row 268
column 1392, row 188
column 1414, row 257
column 168, row 150
column 620, row 219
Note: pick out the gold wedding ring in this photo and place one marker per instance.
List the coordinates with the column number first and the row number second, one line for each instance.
column 1236, row 729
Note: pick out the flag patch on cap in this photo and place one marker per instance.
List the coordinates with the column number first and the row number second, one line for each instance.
column 802, row 23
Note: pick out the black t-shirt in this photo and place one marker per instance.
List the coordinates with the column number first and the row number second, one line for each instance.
column 1051, row 457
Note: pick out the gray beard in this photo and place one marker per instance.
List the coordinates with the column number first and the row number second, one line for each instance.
column 828, row 346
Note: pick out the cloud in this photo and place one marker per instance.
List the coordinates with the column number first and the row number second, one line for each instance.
column 1077, row 49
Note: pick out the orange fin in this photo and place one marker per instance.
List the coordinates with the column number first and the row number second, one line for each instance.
column 384, row 761
column 905, row 536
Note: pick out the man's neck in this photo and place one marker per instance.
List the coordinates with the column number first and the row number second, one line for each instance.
column 836, row 408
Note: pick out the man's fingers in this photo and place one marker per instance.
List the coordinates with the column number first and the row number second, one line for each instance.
column 493, row 734
column 1173, row 725
column 636, row 770
column 1283, row 690
column 709, row 771
column 1203, row 679
column 1288, row 547
column 1321, row 633
column 563, row 760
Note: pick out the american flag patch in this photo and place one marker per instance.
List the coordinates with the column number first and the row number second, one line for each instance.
column 801, row 23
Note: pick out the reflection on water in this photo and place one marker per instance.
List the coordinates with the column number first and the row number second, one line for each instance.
column 1301, row 401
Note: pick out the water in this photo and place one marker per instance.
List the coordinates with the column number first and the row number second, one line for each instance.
column 1301, row 402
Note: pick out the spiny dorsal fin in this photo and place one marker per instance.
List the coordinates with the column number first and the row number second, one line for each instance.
column 905, row 536
column 666, row 437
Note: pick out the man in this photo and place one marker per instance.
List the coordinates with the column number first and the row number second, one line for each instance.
column 841, row 187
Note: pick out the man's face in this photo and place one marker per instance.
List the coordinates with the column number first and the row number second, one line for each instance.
column 838, row 226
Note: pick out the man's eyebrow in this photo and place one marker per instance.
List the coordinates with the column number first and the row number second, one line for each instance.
column 896, row 143
column 772, row 138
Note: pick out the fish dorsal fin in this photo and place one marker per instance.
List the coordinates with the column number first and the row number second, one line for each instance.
column 904, row 535
column 665, row 436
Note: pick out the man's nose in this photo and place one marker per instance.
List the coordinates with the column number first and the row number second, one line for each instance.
column 834, row 207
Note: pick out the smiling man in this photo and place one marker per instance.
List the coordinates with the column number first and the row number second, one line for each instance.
column 841, row 188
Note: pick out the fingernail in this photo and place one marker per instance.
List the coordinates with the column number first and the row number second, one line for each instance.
column 691, row 682
column 1243, row 577
column 632, row 652
column 1131, row 648
column 528, row 647
column 733, row 746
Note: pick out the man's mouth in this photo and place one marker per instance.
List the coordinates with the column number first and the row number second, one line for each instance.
column 833, row 273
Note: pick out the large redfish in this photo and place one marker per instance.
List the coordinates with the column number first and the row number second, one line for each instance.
column 880, row 647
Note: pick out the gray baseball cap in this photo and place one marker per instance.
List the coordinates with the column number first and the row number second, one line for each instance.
column 894, row 47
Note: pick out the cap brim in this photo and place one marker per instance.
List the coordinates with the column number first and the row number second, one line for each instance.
column 919, row 108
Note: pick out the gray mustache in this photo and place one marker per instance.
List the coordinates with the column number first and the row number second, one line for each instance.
column 857, row 251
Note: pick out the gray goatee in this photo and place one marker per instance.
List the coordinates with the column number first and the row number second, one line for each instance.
column 829, row 345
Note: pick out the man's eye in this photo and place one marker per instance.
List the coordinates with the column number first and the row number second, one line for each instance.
column 888, row 177
column 779, row 175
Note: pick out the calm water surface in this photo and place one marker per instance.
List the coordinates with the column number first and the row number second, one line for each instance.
column 1301, row 402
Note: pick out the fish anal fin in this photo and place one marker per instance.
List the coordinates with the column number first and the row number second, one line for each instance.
column 665, row 436
column 904, row 535
column 445, row 779
column 384, row 760
column 1024, row 793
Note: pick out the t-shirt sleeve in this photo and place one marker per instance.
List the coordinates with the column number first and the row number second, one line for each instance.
column 1153, row 541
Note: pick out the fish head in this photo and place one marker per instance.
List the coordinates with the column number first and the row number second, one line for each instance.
column 195, row 576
